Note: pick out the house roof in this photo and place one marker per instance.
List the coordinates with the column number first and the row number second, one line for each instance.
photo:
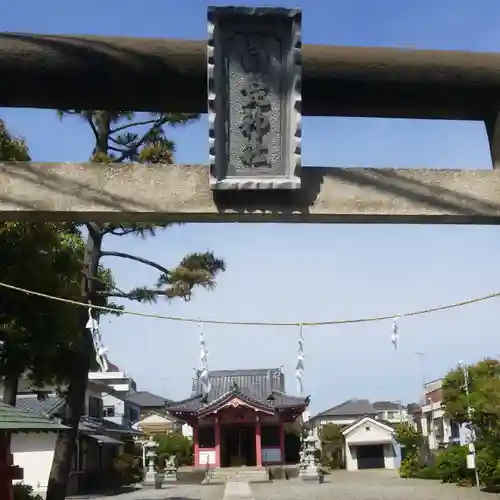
column 164, row 415
column 367, row 418
column 112, row 367
column 263, row 388
column 387, row 405
column 91, row 425
column 351, row 407
column 413, row 408
column 260, row 382
column 14, row 419
column 146, row 399
column 52, row 406
column 42, row 407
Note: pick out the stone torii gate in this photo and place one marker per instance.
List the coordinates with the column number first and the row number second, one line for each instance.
column 83, row 72
column 254, row 104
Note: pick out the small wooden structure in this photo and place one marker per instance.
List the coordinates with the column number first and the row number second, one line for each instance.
column 13, row 420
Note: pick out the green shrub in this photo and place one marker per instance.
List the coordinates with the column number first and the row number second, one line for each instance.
column 410, row 465
column 452, row 464
column 488, row 467
column 128, row 469
column 174, row 443
column 428, row 472
column 25, row 492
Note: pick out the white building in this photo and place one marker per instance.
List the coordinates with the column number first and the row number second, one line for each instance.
column 371, row 444
column 369, row 434
column 439, row 430
column 392, row 412
column 116, row 407
column 99, row 441
column 33, row 441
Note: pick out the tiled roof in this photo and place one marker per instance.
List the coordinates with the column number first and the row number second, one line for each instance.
column 368, row 418
column 262, row 387
column 112, row 367
column 387, row 405
column 42, row 407
column 351, row 407
column 51, row 406
column 146, row 399
column 413, row 408
column 14, row 419
column 260, row 382
column 92, row 425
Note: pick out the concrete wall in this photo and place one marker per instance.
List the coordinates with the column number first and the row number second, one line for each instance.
column 392, row 453
column 34, row 453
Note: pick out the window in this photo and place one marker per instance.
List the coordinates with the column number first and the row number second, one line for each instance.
column 206, row 437
column 454, row 430
column 133, row 415
column 109, row 411
column 391, row 415
column 95, row 407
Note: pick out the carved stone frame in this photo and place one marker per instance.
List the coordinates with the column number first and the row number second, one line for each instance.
column 217, row 96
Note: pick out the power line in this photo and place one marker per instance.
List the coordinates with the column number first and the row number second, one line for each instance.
column 368, row 319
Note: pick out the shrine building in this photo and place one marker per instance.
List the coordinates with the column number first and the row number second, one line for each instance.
column 240, row 422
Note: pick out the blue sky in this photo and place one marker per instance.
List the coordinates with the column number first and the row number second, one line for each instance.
column 304, row 272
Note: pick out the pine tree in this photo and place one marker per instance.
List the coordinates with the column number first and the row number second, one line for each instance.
column 123, row 137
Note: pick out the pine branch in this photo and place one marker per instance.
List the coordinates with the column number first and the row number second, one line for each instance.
column 147, row 262
column 134, row 124
column 134, row 147
column 137, row 294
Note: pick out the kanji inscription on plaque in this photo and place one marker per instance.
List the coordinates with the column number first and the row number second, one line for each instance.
column 254, row 98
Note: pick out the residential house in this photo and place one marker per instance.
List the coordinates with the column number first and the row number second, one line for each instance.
column 158, row 423
column 392, row 412
column 154, row 417
column 147, row 402
column 415, row 415
column 116, row 407
column 369, row 439
column 32, row 444
column 438, row 429
column 99, row 440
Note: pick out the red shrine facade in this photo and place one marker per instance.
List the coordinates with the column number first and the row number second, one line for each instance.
column 241, row 421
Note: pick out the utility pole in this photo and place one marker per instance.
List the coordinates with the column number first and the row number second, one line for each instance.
column 471, row 457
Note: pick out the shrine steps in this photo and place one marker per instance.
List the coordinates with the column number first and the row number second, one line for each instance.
column 248, row 474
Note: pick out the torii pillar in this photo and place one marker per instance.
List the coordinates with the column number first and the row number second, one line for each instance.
column 8, row 472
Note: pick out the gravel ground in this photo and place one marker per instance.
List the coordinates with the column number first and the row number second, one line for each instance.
column 366, row 485
column 340, row 485
column 174, row 492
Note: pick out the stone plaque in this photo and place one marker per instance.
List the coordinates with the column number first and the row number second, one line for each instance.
column 254, row 97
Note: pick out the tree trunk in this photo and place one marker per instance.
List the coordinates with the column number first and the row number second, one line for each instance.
column 75, row 397
column 10, row 385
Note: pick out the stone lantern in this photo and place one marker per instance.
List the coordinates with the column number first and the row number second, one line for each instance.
column 309, row 469
column 150, row 479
